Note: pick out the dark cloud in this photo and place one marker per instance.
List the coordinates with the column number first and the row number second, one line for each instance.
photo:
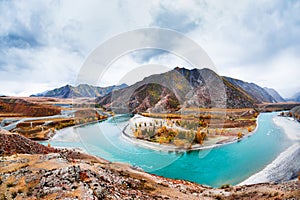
column 145, row 55
column 18, row 41
column 173, row 19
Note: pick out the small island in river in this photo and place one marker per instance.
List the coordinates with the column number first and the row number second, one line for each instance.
column 192, row 128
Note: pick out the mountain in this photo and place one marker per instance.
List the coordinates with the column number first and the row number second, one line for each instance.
column 258, row 93
column 295, row 98
column 274, row 94
column 82, row 90
column 178, row 88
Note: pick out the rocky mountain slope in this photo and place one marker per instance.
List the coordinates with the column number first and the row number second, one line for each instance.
column 69, row 174
column 14, row 143
column 296, row 112
column 19, row 106
column 181, row 88
column 275, row 94
column 82, row 90
column 258, row 93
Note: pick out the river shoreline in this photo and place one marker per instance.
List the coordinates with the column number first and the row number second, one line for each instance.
column 287, row 164
column 69, row 127
column 158, row 147
column 284, row 168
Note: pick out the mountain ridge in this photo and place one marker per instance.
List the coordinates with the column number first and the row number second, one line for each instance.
column 81, row 90
column 275, row 94
column 258, row 93
column 295, row 97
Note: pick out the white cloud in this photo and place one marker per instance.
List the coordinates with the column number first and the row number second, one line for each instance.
column 44, row 43
column 48, row 67
column 280, row 72
column 127, row 69
column 245, row 39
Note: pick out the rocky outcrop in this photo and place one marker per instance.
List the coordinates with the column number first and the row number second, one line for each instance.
column 296, row 113
column 57, row 176
column 13, row 143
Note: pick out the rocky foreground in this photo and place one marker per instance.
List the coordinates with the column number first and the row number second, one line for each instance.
column 29, row 173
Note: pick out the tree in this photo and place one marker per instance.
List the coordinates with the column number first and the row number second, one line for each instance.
column 200, row 136
column 240, row 135
column 138, row 133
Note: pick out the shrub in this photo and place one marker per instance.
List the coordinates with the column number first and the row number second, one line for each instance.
column 179, row 143
column 3, row 197
column 225, row 186
column 14, row 195
column 29, row 192
column 240, row 135
column 10, row 185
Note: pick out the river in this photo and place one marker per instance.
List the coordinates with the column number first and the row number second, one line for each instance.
column 229, row 164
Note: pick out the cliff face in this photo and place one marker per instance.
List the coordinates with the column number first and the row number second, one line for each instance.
column 69, row 174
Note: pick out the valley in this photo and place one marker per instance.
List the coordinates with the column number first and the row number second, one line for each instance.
column 158, row 127
column 40, row 118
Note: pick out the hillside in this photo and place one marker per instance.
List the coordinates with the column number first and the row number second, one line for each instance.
column 296, row 113
column 24, row 108
column 82, row 90
column 297, row 97
column 185, row 88
column 258, row 93
column 13, row 143
column 66, row 174
column 274, row 94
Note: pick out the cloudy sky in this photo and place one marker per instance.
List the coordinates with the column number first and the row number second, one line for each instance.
column 43, row 44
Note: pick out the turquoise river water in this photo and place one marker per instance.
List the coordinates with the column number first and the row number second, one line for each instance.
column 228, row 164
